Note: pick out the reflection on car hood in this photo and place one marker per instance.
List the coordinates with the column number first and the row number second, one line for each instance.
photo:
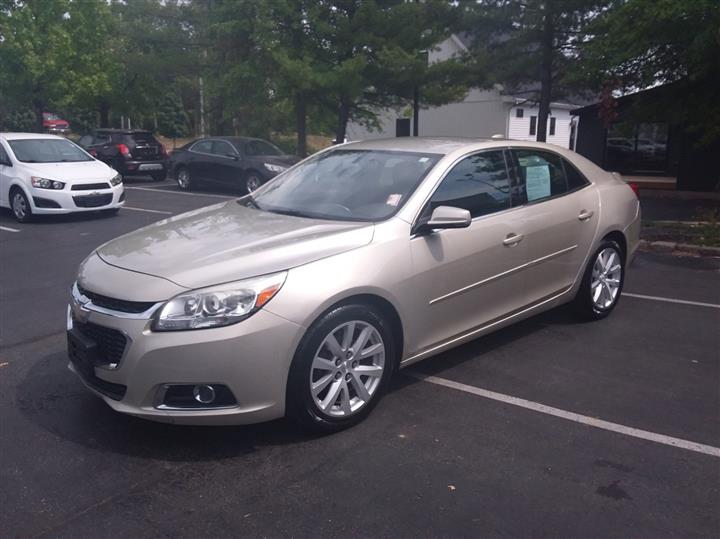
column 227, row 242
column 68, row 172
column 285, row 160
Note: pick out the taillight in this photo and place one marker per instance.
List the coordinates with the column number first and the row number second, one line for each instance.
column 124, row 150
column 635, row 187
column 163, row 151
column 92, row 152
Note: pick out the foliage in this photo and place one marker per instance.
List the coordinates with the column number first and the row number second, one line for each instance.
column 172, row 121
column 22, row 120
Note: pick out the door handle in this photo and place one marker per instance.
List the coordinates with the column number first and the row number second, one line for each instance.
column 585, row 215
column 512, row 239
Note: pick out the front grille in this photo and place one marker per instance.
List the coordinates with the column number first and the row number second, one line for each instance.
column 93, row 201
column 114, row 304
column 90, row 186
column 45, row 203
column 110, row 342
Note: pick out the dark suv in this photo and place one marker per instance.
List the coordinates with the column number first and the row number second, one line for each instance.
column 129, row 151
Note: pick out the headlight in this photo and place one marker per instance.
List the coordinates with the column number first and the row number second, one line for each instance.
column 277, row 169
column 117, row 180
column 218, row 305
column 44, row 183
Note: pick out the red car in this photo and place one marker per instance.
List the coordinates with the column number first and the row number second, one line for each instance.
column 52, row 123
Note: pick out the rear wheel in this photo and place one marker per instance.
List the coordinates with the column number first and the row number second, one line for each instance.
column 20, row 206
column 184, row 180
column 341, row 369
column 602, row 282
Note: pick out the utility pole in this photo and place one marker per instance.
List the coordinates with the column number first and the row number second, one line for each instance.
column 202, row 107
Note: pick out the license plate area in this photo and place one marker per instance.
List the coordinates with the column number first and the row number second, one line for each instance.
column 83, row 353
column 150, row 166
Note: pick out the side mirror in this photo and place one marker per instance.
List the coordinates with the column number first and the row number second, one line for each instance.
column 446, row 217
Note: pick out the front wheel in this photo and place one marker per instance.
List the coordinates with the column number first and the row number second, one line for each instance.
column 20, row 206
column 602, row 282
column 252, row 181
column 341, row 369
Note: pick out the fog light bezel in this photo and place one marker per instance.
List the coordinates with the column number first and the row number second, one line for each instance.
column 181, row 397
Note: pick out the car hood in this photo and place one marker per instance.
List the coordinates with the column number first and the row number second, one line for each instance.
column 68, row 172
column 228, row 242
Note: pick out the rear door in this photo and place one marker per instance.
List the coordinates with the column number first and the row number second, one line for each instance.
column 226, row 166
column 468, row 277
column 200, row 161
column 559, row 220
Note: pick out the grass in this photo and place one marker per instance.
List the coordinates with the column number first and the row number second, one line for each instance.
column 706, row 231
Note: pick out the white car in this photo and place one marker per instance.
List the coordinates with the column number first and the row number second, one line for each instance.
column 47, row 174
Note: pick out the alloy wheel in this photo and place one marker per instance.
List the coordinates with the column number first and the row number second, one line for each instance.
column 252, row 183
column 347, row 368
column 19, row 206
column 606, row 278
column 183, row 179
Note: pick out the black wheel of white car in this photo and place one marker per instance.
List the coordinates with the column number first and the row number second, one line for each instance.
column 184, row 180
column 341, row 369
column 20, row 206
column 602, row 282
column 252, row 181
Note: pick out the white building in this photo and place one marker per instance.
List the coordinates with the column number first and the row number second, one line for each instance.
column 483, row 113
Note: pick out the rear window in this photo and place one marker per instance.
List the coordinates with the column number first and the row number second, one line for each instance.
column 142, row 138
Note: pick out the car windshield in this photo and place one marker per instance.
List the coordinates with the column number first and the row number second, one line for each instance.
column 347, row 185
column 260, row 147
column 45, row 150
column 50, row 116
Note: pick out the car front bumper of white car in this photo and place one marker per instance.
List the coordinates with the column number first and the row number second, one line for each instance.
column 69, row 200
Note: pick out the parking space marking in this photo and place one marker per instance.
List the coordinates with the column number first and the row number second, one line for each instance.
column 8, row 229
column 571, row 416
column 673, row 300
column 145, row 209
column 178, row 192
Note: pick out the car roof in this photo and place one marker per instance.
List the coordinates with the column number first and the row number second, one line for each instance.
column 112, row 130
column 21, row 136
column 438, row 145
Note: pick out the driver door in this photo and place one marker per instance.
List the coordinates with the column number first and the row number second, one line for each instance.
column 467, row 278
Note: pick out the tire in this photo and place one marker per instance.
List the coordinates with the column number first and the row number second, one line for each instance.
column 602, row 282
column 253, row 180
column 20, row 206
column 339, row 376
column 159, row 176
column 183, row 178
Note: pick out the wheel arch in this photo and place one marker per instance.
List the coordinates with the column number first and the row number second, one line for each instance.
column 618, row 237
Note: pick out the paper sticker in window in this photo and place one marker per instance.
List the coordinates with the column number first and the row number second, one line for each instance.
column 537, row 182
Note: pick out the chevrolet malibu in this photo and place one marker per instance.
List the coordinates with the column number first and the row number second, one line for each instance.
column 303, row 298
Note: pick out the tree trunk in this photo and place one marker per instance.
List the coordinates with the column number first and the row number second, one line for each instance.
column 104, row 114
column 301, row 124
column 39, row 107
column 545, row 73
column 343, row 115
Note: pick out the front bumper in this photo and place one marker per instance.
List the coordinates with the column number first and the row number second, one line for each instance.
column 252, row 358
column 51, row 201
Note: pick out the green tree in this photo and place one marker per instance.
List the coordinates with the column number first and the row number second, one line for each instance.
column 637, row 44
column 171, row 117
column 530, row 47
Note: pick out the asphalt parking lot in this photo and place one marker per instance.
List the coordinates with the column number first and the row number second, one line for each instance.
column 546, row 428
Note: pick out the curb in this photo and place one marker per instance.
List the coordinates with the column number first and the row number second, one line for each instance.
column 671, row 247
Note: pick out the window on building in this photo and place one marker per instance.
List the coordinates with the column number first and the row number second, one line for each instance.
column 519, row 113
column 552, row 125
column 479, row 183
column 533, row 125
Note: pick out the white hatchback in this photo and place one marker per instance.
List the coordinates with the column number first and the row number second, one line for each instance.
column 47, row 174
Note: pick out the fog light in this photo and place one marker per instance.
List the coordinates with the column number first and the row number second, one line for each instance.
column 204, row 394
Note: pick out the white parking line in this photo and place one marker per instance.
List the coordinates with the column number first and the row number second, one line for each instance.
column 8, row 229
column 672, row 300
column 572, row 416
column 178, row 192
column 145, row 209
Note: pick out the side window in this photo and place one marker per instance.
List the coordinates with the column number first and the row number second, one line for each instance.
column 3, row 155
column 479, row 183
column 222, row 148
column 204, row 146
column 575, row 180
column 541, row 174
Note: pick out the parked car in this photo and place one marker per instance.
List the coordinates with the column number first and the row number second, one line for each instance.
column 52, row 123
column 305, row 296
column 132, row 152
column 47, row 174
column 235, row 162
